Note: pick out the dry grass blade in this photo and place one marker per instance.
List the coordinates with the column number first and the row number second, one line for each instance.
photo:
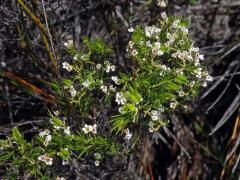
column 45, row 34
column 34, row 18
column 177, row 141
column 229, row 69
column 231, row 109
column 223, row 92
column 232, row 158
column 37, row 91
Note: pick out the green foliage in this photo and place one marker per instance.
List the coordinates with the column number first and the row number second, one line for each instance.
column 26, row 156
column 106, row 102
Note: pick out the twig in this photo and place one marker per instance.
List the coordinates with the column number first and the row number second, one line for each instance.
column 222, row 93
column 9, row 106
column 48, row 31
column 231, row 109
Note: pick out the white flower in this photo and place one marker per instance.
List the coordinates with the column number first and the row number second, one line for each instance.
column 89, row 128
column 115, row 79
column 72, row 91
column 126, row 131
column 151, row 129
column 198, row 72
column 204, row 84
column 157, row 44
column 134, row 52
column 184, row 30
column 112, row 88
column 104, row 89
column 164, row 15
column 76, row 57
column 157, row 52
column 96, row 163
column 97, row 156
column 151, row 31
column 130, row 44
column 120, row 99
column 44, row 133
column 201, row 57
column 162, row 3
column 155, row 115
column 108, row 68
column 120, row 109
column 113, row 68
column 173, row 105
column 47, row 140
column 131, row 30
column 154, row 118
column 209, row 78
column 128, row 136
column 56, row 113
column 194, row 49
column 199, row 76
column 46, row 159
column 98, row 66
column 148, row 44
column 67, row 130
column 161, row 109
column 67, row 66
column 192, row 83
column 57, row 127
column 94, row 129
column 175, row 23
column 60, row 178
column 86, row 84
column 181, row 93
column 3, row 64
column 69, row 43
column 148, row 34
column 163, row 67
column 65, row 162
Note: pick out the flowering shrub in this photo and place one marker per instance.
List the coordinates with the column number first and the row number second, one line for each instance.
column 108, row 103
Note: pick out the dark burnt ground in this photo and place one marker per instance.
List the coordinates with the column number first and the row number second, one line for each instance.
column 185, row 150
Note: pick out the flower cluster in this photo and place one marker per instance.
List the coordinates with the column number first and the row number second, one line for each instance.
column 46, row 159
column 60, row 125
column 128, row 135
column 120, row 99
column 69, row 43
column 165, row 71
column 90, row 128
column 46, row 134
column 169, row 67
column 97, row 157
column 67, row 66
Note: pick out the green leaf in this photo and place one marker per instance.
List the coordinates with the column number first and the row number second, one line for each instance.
column 181, row 79
column 64, row 154
column 5, row 156
column 56, row 121
column 55, row 87
column 172, row 87
column 138, row 35
column 67, row 82
column 164, row 48
column 133, row 95
column 128, row 108
column 17, row 136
